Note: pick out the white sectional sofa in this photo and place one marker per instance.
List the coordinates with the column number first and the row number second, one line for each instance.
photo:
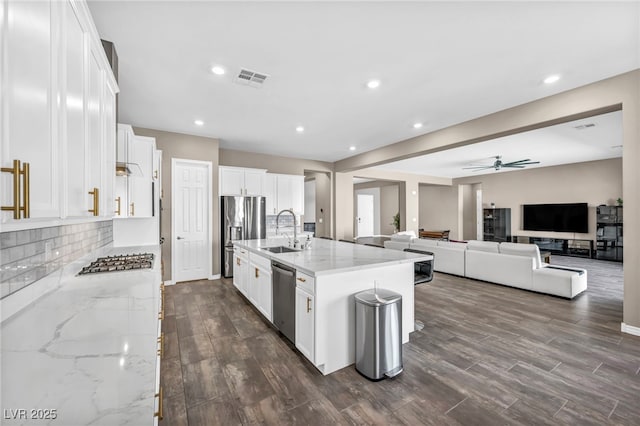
column 510, row 264
column 448, row 256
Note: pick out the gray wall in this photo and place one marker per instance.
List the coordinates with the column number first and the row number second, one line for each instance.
column 593, row 182
column 177, row 145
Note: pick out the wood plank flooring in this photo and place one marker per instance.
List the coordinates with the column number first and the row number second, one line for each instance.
column 487, row 355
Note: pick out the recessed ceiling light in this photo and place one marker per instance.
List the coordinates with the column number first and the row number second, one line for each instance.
column 199, row 123
column 373, row 84
column 551, row 79
column 299, row 129
column 417, row 125
column 217, row 70
column 352, row 148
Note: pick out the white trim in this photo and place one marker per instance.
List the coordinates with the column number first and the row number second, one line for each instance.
column 209, row 166
column 630, row 329
column 169, row 282
column 214, row 277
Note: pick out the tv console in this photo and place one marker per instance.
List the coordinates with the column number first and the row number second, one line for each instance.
column 560, row 246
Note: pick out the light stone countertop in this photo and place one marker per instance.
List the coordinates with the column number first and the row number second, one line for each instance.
column 87, row 349
column 329, row 257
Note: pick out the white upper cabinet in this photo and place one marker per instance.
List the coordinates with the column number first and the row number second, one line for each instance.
column 57, row 112
column 26, row 107
column 241, row 181
column 288, row 193
column 134, row 192
column 140, row 186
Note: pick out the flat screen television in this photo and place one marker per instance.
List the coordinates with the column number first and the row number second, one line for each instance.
column 556, row 217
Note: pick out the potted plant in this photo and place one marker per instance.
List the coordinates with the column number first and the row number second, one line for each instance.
column 619, row 201
column 396, row 222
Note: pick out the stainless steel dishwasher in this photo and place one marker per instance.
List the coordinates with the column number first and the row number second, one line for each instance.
column 284, row 299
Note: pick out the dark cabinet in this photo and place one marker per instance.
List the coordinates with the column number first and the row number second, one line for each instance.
column 496, row 225
column 609, row 241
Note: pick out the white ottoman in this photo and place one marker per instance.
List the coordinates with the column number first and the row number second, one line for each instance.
column 560, row 281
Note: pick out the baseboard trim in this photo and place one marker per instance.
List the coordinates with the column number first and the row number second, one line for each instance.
column 214, row 277
column 629, row 329
column 170, row 282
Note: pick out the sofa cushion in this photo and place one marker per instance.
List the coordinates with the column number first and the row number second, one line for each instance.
column 565, row 282
column 396, row 245
column 527, row 250
column 424, row 243
column 452, row 245
column 487, row 246
column 403, row 236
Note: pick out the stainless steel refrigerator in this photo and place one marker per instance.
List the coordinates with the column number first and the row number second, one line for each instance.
column 243, row 218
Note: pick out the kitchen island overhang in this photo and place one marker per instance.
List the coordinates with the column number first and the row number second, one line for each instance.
column 338, row 271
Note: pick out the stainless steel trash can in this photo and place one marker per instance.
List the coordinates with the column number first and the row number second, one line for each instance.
column 378, row 333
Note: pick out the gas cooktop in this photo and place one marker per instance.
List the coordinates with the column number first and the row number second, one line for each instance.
column 123, row 262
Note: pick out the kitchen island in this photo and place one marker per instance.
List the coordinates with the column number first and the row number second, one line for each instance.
column 85, row 353
column 328, row 275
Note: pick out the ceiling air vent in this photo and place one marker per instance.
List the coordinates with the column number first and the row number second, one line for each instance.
column 584, row 126
column 251, row 78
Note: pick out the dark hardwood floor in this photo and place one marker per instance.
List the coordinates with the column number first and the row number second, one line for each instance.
column 487, row 355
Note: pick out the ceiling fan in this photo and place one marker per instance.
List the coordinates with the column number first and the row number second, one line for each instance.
column 498, row 164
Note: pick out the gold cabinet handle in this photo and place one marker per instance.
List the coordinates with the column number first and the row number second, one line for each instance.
column 238, row 261
column 133, row 210
column 302, row 280
column 257, row 273
column 308, row 304
column 18, row 172
column 26, row 185
column 155, row 174
column 96, row 202
column 119, row 203
column 161, row 343
column 158, row 414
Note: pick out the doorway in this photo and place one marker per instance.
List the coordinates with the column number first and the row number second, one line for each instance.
column 365, row 215
column 191, row 225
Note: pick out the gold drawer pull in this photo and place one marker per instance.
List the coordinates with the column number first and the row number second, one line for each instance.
column 133, row 210
column 257, row 273
column 96, row 202
column 159, row 413
column 301, row 279
column 161, row 342
column 118, row 202
column 18, row 172
column 308, row 304
column 238, row 261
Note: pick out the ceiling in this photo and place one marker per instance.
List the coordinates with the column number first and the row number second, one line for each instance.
column 565, row 143
column 438, row 63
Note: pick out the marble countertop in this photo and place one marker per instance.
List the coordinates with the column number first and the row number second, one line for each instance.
column 86, row 350
column 330, row 257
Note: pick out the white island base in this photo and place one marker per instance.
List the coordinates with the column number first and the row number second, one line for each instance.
column 328, row 276
column 335, row 325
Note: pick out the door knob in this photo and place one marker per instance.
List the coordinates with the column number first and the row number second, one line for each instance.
column 180, row 238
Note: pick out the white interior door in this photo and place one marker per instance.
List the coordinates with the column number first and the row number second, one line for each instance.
column 479, row 216
column 365, row 215
column 191, row 206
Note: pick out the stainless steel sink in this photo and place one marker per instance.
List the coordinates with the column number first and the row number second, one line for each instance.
column 279, row 249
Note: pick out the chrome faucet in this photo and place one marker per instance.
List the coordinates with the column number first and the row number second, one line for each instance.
column 295, row 231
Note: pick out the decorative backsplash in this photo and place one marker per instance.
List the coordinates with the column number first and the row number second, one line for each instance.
column 285, row 222
column 26, row 256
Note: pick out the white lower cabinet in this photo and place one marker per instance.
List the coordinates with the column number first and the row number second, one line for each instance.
column 305, row 323
column 260, row 287
column 241, row 270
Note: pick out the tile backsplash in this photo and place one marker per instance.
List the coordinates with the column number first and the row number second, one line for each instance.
column 285, row 223
column 26, row 256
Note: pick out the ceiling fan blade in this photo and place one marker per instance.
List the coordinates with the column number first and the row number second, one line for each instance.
column 477, row 168
column 521, row 162
column 514, row 166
